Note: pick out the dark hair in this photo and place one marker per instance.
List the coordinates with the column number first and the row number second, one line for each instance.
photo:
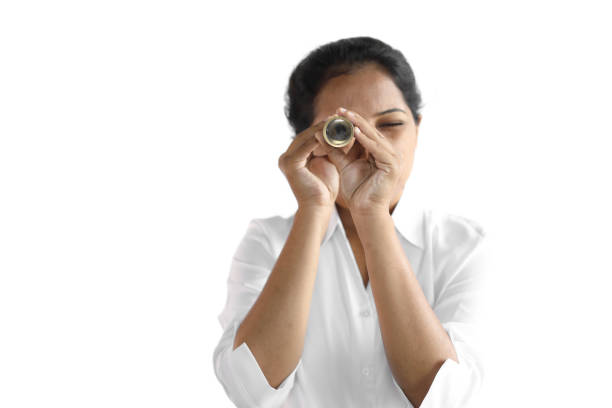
column 341, row 57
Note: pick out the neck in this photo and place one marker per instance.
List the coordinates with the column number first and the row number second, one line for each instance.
column 347, row 220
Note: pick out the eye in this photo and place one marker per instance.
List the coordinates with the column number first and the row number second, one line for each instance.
column 392, row 124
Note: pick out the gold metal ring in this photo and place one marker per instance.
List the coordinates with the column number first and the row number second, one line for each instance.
column 338, row 131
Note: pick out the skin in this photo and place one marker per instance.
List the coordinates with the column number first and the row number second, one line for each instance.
column 380, row 95
column 372, row 173
column 364, row 180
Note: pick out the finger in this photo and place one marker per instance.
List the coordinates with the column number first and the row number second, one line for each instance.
column 305, row 135
column 303, row 152
column 339, row 159
column 306, row 150
column 381, row 149
column 324, row 145
column 364, row 125
column 375, row 147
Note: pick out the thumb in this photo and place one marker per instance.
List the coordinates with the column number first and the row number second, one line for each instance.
column 338, row 158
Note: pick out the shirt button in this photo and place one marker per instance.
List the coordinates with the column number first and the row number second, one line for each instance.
column 365, row 371
column 365, row 313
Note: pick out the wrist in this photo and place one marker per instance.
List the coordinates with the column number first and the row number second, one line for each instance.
column 369, row 213
column 370, row 226
column 314, row 213
column 313, row 216
column 371, row 217
column 315, row 210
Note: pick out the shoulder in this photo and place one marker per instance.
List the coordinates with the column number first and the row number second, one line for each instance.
column 453, row 239
column 449, row 230
column 261, row 242
column 273, row 229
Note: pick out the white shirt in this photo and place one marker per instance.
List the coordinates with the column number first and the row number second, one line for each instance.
column 343, row 363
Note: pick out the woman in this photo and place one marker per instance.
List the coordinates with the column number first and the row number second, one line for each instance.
column 360, row 298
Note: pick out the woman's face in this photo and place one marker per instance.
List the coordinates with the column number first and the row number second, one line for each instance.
column 368, row 92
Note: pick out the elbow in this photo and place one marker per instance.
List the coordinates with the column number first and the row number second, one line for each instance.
column 449, row 384
column 237, row 342
column 417, row 389
column 243, row 379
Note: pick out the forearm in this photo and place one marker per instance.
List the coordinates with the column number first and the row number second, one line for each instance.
column 415, row 342
column 275, row 327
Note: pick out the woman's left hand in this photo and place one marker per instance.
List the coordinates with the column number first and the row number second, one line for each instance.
column 367, row 185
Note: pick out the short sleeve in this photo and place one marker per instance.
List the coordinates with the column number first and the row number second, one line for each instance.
column 459, row 306
column 237, row 370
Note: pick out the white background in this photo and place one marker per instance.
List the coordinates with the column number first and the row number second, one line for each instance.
column 139, row 138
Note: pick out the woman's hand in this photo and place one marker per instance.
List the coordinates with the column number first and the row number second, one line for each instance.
column 314, row 180
column 368, row 184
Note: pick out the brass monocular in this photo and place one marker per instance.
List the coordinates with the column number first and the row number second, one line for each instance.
column 338, row 131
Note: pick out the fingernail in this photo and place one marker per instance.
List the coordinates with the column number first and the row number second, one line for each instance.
column 341, row 109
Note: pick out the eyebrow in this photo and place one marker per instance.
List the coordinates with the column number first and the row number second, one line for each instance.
column 389, row 111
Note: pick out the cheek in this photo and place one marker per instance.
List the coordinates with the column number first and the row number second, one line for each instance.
column 406, row 142
column 406, row 159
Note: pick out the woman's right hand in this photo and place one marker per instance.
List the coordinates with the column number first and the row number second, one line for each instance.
column 314, row 180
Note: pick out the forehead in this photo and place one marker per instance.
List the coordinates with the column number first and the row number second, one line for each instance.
column 368, row 90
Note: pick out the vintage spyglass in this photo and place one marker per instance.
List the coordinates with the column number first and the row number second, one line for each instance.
column 338, row 131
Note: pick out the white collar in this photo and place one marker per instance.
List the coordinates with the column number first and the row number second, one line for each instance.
column 407, row 217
